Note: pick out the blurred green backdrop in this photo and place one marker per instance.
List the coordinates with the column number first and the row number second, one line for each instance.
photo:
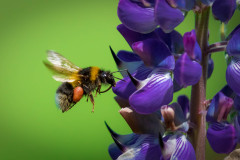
column 31, row 127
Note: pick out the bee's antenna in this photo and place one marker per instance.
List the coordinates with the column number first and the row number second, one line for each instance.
column 119, row 79
column 106, row 90
column 120, row 71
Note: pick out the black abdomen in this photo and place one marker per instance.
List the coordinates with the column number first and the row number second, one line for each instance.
column 64, row 96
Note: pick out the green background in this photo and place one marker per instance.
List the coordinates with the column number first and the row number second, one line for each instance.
column 31, row 127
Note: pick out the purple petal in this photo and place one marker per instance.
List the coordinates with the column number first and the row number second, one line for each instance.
column 166, row 16
column 131, row 66
column 114, row 151
column 126, row 140
column 237, row 103
column 127, row 56
column 227, row 91
column 176, row 86
column 222, row 137
column 189, row 40
column 121, row 142
column 233, row 75
column 131, row 36
column 129, row 61
column 232, row 33
column 219, row 108
column 197, row 52
column 149, row 152
column 187, row 72
column 191, row 46
column 178, row 147
column 233, row 47
column 122, row 102
column 210, row 67
column 184, row 149
column 125, row 88
column 154, row 53
column 157, row 91
column 145, row 147
column 136, row 17
column 174, row 40
column 182, row 4
column 224, row 9
column 237, row 126
column 184, row 103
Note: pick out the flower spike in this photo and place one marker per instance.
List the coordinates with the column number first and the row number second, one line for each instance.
column 115, row 138
column 113, row 134
column 116, row 59
column 119, row 144
column 135, row 81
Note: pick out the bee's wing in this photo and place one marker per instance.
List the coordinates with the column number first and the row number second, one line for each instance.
column 63, row 70
column 58, row 60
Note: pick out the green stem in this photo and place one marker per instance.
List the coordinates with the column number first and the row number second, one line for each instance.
column 198, row 95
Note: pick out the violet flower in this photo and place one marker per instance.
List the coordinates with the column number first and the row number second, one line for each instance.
column 221, row 135
column 190, row 59
column 146, row 144
column 222, row 10
column 233, row 51
column 183, row 101
column 237, row 116
column 151, row 66
column 162, row 62
column 145, row 17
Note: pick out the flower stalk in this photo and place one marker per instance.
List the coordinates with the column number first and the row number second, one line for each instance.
column 198, row 95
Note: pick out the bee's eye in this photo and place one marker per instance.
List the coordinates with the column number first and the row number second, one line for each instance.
column 104, row 75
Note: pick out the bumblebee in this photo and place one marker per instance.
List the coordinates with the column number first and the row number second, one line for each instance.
column 76, row 81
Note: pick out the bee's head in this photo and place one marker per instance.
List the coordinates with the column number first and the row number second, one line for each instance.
column 107, row 77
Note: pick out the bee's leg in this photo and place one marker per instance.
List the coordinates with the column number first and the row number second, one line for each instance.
column 92, row 100
column 87, row 98
column 86, row 89
column 98, row 88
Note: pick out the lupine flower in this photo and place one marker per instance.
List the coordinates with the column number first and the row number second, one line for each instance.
column 162, row 62
column 151, row 65
column 190, row 59
column 233, row 51
column 143, row 143
column 183, row 101
column 221, row 135
column 237, row 116
column 145, row 17
column 174, row 118
column 222, row 10
column 148, row 145
column 176, row 146
column 237, row 107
